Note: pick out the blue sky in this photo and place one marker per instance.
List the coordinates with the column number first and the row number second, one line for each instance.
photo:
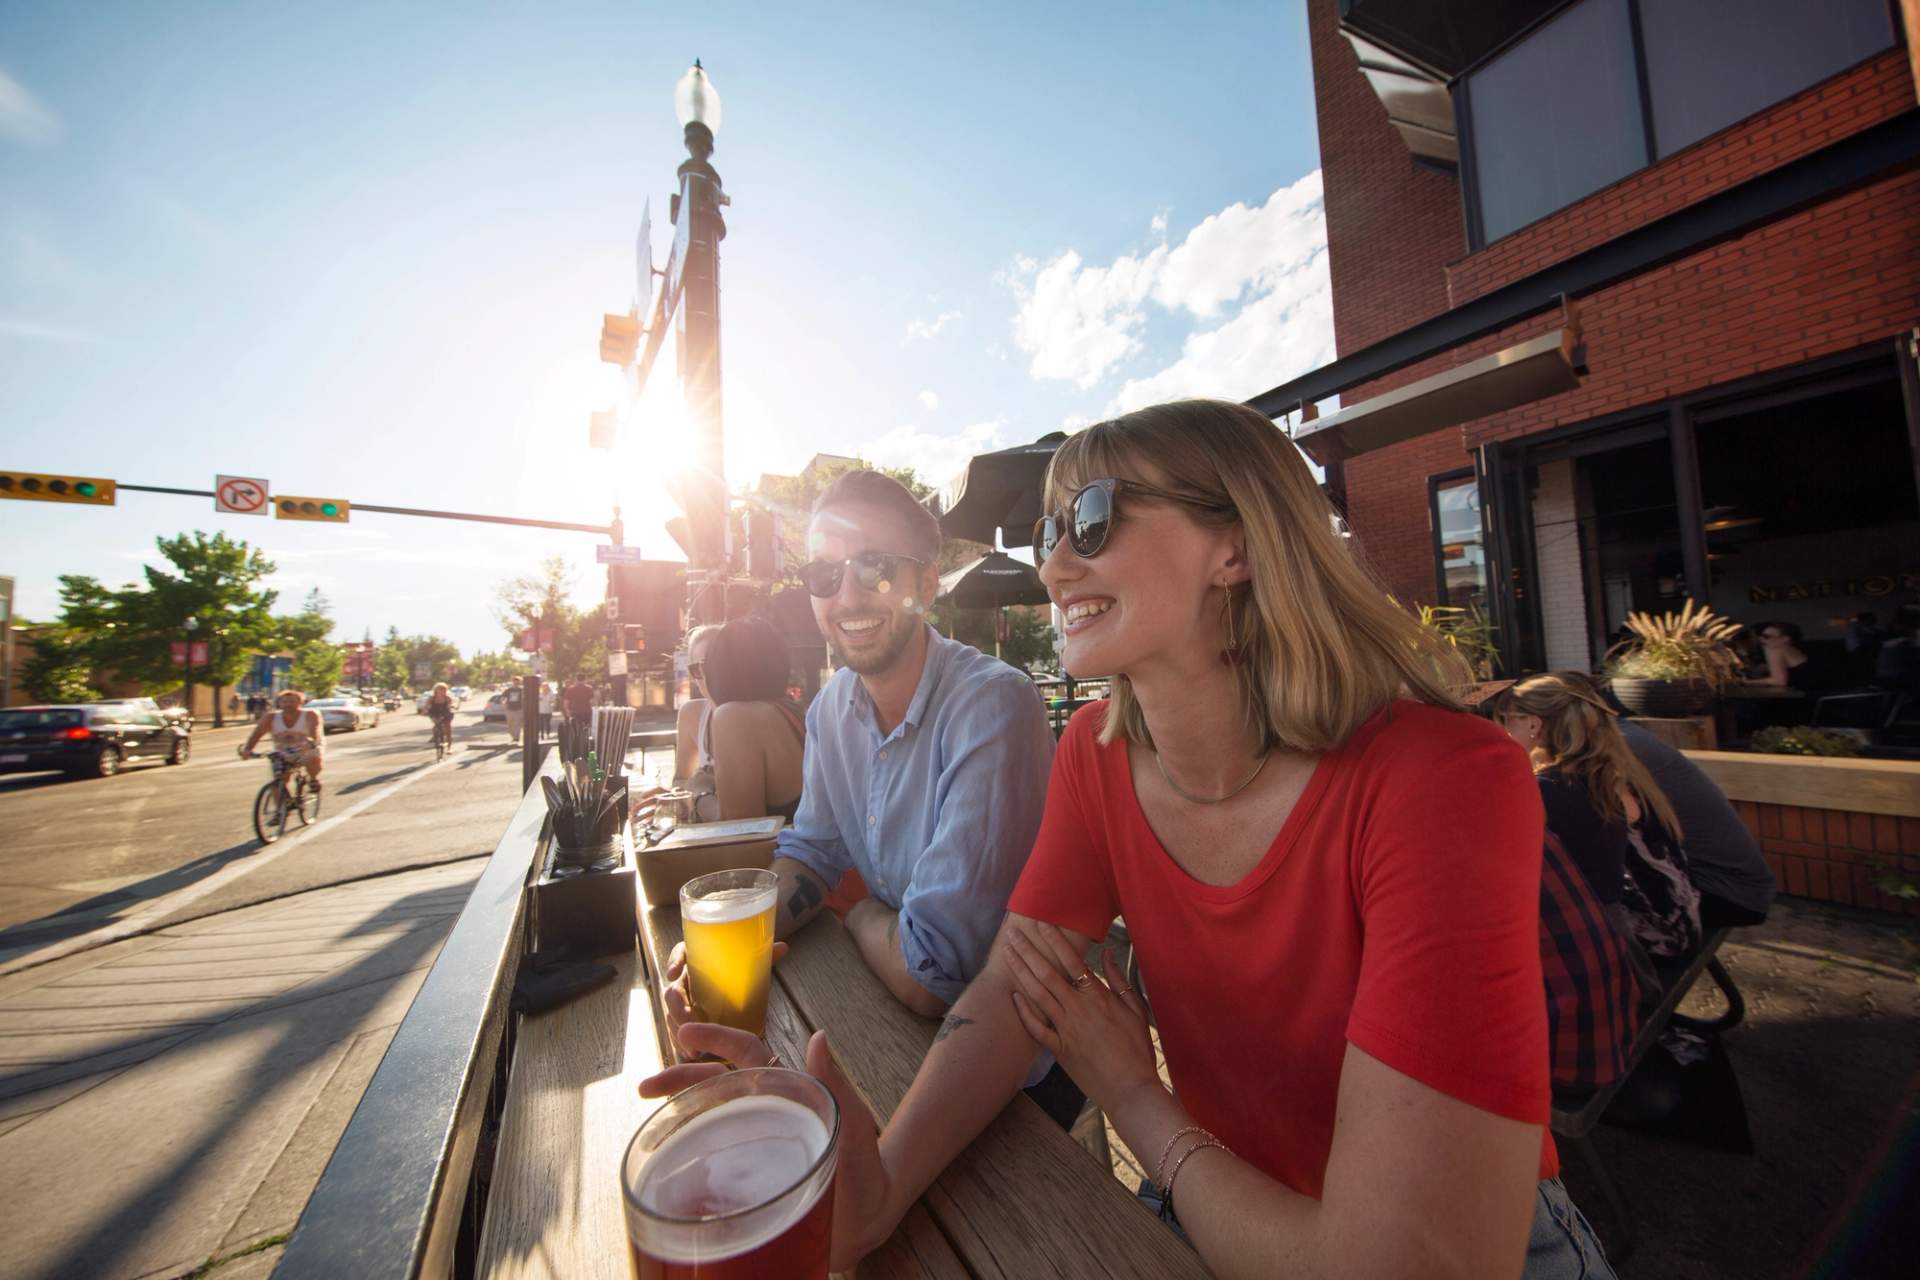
column 362, row 250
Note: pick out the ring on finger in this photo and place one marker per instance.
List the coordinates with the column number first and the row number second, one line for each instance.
column 1084, row 981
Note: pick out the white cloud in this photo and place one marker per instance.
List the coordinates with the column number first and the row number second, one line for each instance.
column 928, row 328
column 22, row 117
column 37, row 332
column 1078, row 322
column 1159, row 224
column 935, row 458
column 930, row 399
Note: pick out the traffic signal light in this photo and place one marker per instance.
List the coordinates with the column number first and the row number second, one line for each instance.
column 620, row 338
column 39, row 488
column 336, row 510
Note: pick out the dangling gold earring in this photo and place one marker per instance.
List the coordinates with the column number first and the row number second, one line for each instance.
column 1233, row 655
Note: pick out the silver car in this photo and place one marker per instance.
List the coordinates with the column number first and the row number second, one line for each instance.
column 344, row 715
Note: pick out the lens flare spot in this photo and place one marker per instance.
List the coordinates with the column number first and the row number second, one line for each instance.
column 884, row 587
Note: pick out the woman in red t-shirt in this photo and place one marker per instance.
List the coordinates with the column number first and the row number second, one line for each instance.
column 1330, row 872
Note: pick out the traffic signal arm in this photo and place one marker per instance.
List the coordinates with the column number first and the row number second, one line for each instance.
column 332, row 510
column 34, row 487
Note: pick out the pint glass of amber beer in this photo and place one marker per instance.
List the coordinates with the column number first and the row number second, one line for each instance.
column 726, row 920
column 732, row 1179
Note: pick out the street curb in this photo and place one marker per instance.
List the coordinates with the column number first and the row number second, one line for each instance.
column 28, row 963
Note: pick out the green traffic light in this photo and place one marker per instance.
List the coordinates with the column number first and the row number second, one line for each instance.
column 329, row 508
column 85, row 489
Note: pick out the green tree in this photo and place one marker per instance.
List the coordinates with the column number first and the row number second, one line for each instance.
column 215, row 581
column 390, row 669
column 545, row 601
column 316, row 668
column 57, row 669
column 485, row 669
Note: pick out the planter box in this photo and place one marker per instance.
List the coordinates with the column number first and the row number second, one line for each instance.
column 1827, row 827
column 591, row 914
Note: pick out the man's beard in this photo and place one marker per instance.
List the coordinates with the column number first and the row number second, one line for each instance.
column 901, row 632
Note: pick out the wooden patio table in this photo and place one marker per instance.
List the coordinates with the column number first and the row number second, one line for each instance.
column 1024, row 1200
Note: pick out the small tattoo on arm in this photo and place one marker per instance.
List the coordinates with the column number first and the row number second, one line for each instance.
column 807, row 895
column 948, row 1025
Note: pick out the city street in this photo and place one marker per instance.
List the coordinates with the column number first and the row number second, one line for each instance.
column 158, row 845
column 199, row 1014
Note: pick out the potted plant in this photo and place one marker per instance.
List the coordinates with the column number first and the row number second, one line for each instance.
column 1469, row 632
column 1675, row 664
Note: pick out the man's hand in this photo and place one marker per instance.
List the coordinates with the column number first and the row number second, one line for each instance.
column 676, row 993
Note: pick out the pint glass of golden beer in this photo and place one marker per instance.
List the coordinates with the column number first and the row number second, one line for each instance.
column 726, row 920
column 732, row 1179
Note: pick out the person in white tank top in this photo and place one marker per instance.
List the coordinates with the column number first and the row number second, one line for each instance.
column 295, row 731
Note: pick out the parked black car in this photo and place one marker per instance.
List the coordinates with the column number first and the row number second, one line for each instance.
column 92, row 740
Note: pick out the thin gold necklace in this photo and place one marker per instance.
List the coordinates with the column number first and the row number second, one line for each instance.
column 1185, row 794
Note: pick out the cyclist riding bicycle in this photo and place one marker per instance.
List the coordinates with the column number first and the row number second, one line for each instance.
column 298, row 735
column 440, row 711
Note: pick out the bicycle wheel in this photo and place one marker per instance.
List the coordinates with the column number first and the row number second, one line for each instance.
column 307, row 806
column 269, row 812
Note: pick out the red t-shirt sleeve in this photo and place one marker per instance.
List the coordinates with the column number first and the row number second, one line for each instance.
column 1447, row 875
column 1068, row 881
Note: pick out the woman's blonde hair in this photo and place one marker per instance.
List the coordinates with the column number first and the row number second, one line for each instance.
column 440, row 686
column 1580, row 739
column 1322, row 646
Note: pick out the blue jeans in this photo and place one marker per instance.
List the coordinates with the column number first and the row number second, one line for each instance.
column 1562, row 1245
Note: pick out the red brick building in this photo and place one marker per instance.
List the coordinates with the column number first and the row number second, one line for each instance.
column 1726, row 193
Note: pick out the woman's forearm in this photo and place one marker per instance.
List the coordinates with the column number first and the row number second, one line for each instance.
column 978, row 1059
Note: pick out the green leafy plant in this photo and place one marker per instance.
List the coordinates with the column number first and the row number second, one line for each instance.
column 1801, row 740
column 1692, row 645
column 1469, row 632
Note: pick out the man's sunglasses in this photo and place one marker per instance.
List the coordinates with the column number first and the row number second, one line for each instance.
column 1087, row 519
column 870, row 568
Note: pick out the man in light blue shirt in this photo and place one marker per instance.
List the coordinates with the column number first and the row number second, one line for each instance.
column 926, row 760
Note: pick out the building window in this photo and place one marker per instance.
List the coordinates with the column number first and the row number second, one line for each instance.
column 1711, row 63
column 1556, row 117
column 1458, row 548
column 1608, row 86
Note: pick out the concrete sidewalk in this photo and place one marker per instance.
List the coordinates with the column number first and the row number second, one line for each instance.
column 173, row 1098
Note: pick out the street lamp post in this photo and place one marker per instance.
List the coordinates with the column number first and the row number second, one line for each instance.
column 186, row 669
column 699, row 229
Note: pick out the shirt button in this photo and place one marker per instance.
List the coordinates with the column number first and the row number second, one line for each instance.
column 883, row 755
column 871, row 819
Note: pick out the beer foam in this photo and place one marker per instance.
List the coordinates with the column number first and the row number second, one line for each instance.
column 728, row 905
column 741, row 1154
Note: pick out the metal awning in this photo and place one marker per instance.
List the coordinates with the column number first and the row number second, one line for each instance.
column 1533, row 370
column 1444, row 36
column 1419, row 104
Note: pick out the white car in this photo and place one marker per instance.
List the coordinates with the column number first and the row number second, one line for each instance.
column 496, row 709
column 344, row 715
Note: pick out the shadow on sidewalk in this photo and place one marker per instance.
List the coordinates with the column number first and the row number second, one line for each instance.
column 290, row 1053
column 91, row 913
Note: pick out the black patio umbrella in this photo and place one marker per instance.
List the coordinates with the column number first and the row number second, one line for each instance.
column 993, row 581
column 997, row 491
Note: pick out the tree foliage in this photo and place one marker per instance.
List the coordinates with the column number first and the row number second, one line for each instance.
column 316, row 668
column 545, row 600
column 57, row 669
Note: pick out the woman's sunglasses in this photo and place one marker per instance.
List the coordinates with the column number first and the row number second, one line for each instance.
column 1087, row 519
column 822, row 578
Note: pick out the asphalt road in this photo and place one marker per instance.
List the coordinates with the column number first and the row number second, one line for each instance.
column 164, row 844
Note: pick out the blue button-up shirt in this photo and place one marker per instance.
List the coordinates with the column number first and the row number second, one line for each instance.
column 940, row 814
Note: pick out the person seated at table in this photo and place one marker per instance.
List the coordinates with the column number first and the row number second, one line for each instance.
column 754, row 733
column 1723, row 859
column 1330, row 871
column 692, row 769
column 1788, row 665
column 1603, row 804
column 1593, row 997
column 926, row 764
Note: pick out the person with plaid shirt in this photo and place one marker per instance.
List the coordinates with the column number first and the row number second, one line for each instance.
column 1592, row 998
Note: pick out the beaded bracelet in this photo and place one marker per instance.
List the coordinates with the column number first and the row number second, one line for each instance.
column 1166, row 1195
column 1160, row 1165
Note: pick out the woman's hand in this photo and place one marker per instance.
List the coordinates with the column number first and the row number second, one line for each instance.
column 728, row 1047
column 676, row 995
column 1097, row 1030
